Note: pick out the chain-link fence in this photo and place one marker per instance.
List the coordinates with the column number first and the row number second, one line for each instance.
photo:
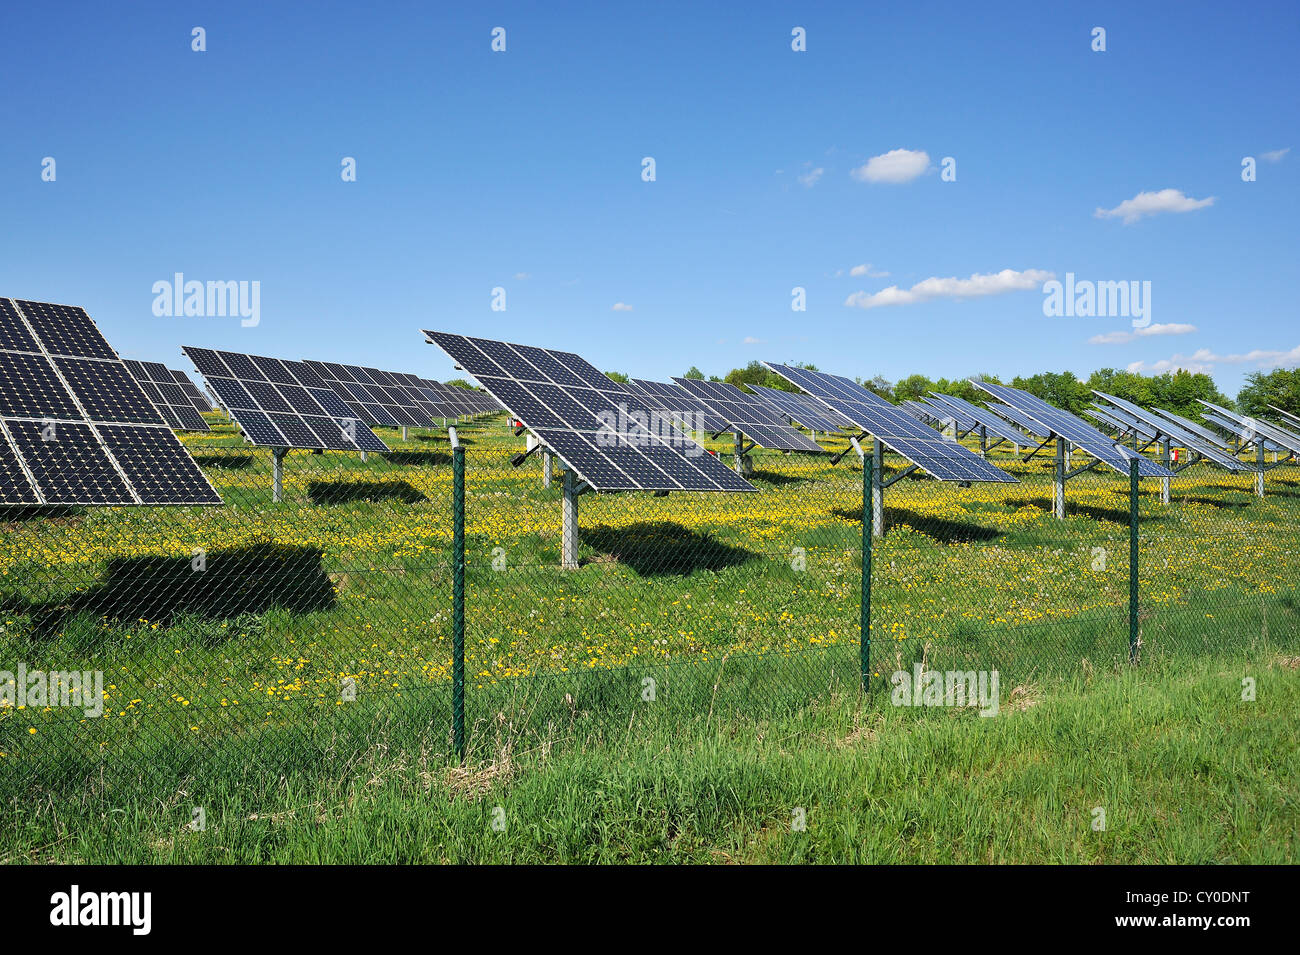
column 150, row 646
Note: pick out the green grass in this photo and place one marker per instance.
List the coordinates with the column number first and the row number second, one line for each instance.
column 1185, row 771
column 743, row 609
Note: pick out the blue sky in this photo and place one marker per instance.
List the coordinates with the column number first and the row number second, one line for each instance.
column 523, row 170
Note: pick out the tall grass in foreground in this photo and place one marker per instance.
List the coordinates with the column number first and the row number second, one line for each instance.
column 1184, row 769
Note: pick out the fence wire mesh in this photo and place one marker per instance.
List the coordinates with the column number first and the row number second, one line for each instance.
column 261, row 636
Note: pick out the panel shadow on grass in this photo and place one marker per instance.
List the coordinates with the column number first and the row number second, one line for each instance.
column 245, row 580
column 224, row 462
column 657, row 548
column 343, row 492
column 941, row 529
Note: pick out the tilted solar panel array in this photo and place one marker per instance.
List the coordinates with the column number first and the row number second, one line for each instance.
column 945, row 414
column 77, row 428
column 1074, row 430
column 1124, row 425
column 945, row 460
column 454, row 402
column 279, row 403
column 1021, row 420
column 1278, row 435
column 374, row 396
column 168, row 397
column 682, row 406
column 799, row 408
column 749, row 416
column 202, row 403
column 587, row 419
column 1128, row 411
column 979, row 417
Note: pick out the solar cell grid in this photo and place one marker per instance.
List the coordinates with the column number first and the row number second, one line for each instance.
column 746, row 414
column 1188, row 439
column 60, row 392
column 172, row 400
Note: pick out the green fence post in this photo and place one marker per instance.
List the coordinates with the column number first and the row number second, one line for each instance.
column 1133, row 561
column 458, row 601
column 864, row 625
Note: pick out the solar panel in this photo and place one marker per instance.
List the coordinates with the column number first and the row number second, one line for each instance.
column 1125, row 409
column 596, row 426
column 1272, row 432
column 747, row 415
column 979, row 417
column 799, row 408
column 77, row 428
column 921, row 412
column 168, row 396
column 281, row 404
column 1287, row 416
column 687, row 410
column 943, row 459
column 964, row 421
column 393, row 399
column 202, row 404
column 1074, row 430
column 1205, row 434
column 1022, row 421
column 1120, row 423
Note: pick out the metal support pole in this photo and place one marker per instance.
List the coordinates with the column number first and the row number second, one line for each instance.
column 984, row 441
column 1058, row 482
column 1259, row 477
column 277, row 473
column 458, row 596
column 403, row 432
column 864, row 623
column 569, row 523
column 1133, row 636
column 546, row 468
column 877, row 490
column 1164, row 482
column 737, row 458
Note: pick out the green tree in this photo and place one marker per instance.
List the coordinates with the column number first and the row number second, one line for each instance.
column 912, row 387
column 694, row 373
column 1062, row 389
column 617, row 376
column 1279, row 387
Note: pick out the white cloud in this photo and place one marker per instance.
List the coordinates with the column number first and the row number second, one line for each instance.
column 622, row 307
column 897, row 165
column 750, row 340
column 1204, row 360
column 1274, row 155
column 865, row 271
column 520, row 276
column 1153, row 203
column 977, row 286
column 1119, row 338
column 810, row 178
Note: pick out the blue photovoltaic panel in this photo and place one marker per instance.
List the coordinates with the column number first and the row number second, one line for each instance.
column 281, row 404
column 747, row 415
column 1020, row 420
column 1127, row 410
column 1205, row 434
column 894, row 427
column 167, row 395
column 1123, row 425
column 979, row 417
column 963, row 420
column 76, row 428
column 588, row 420
column 1074, row 430
column 682, row 406
column 1253, row 426
column 799, row 408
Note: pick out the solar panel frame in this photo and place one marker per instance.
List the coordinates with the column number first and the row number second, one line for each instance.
column 893, row 427
column 623, row 456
